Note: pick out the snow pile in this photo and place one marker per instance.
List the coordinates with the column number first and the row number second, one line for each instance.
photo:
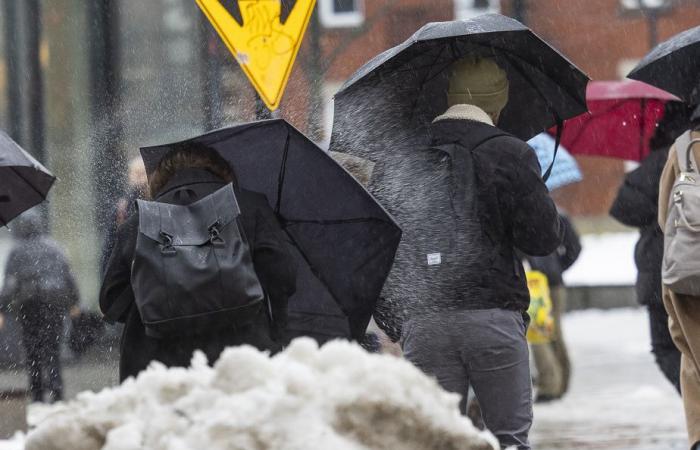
column 16, row 443
column 337, row 397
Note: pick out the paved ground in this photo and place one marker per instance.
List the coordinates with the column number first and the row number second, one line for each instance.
column 618, row 398
column 94, row 371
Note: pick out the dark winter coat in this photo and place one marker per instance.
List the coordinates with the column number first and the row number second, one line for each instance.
column 636, row 205
column 555, row 264
column 512, row 210
column 273, row 265
column 37, row 270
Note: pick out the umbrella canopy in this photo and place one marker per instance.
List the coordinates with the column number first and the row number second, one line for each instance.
column 343, row 240
column 24, row 182
column 405, row 87
column 565, row 170
column 673, row 66
column 622, row 118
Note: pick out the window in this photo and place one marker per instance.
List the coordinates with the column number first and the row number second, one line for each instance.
column 468, row 9
column 341, row 13
column 631, row 5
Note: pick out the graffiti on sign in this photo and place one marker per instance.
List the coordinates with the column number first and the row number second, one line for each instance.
column 263, row 45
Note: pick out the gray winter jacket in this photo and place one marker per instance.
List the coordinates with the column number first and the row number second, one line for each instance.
column 37, row 269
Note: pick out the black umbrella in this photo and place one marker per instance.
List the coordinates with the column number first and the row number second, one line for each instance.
column 405, row 87
column 24, row 182
column 343, row 239
column 673, row 66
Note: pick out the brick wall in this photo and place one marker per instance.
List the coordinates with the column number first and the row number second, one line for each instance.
column 598, row 37
column 595, row 34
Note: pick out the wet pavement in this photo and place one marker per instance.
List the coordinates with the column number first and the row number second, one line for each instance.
column 618, row 399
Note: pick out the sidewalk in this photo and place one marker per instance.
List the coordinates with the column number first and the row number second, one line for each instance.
column 618, row 399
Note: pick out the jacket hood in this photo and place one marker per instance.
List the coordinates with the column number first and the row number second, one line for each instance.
column 187, row 177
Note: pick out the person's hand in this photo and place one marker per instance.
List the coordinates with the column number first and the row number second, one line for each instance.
column 74, row 312
column 2, row 321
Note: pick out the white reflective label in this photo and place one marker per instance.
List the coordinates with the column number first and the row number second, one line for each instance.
column 434, row 259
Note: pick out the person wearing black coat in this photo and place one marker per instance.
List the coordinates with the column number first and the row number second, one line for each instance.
column 467, row 203
column 552, row 359
column 636, row 206
column 202, row 175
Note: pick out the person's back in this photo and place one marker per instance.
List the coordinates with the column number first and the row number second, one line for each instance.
column 489, row 201
column 636, row 205
column 39, row 289
column 272, row 263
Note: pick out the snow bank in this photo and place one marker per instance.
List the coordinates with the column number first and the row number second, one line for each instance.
column 337, row 397
column 16, row 443
column 606, row 260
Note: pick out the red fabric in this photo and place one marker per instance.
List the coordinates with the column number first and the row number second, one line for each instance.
column 622, row 118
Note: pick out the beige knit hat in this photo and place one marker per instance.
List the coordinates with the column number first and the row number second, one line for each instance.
column 479, row 82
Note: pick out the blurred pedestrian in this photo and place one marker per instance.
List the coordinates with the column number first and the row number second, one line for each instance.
column 184, row 176
column 683, row 310
column 40, row 291
column 137, row 187
column 552, row 358
column 636, row 205
column 490, row 200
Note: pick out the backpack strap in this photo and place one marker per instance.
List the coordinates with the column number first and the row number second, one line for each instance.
column 684, row 154
column 681, row 146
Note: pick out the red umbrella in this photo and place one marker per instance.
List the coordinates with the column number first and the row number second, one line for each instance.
column 622, row 117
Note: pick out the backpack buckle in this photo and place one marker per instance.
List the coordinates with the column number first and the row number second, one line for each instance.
column 166, row 246
column 215, row 238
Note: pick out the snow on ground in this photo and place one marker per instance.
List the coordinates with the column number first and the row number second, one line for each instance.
column 606, row 260
column 16, row 443
column 618, row 399
column 338, row 397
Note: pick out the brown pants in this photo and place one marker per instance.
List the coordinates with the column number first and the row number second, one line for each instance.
column 684, row 323
column 552, row 359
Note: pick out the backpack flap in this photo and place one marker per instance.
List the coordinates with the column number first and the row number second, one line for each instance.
column 188, row 225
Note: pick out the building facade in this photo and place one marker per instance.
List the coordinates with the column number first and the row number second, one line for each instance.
column 84, row 84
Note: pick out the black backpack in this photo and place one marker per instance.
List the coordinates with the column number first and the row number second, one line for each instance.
column 192, row 270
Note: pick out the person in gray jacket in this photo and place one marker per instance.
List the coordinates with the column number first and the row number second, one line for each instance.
column 40, row 292
column 457, row 295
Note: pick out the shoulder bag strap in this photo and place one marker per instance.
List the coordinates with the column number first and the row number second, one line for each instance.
column 682, row 151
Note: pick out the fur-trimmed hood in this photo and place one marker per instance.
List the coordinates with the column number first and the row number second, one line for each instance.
column 465, row 112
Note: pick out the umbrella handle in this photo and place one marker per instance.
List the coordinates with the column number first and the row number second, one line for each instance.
column 688, row 160
column 560, row 129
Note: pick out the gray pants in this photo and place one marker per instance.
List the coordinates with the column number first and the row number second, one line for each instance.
column 484, row 348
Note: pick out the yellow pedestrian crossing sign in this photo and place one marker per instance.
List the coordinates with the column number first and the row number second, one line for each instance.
column 263, row 45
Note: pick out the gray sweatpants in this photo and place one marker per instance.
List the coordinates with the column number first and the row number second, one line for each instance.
column 484, row 348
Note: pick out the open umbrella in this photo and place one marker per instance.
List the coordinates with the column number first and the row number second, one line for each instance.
column 24, row 182
column 622, row 118
column 673, row 66
column 565, row 170
column 343, row 240
column 404, row 87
